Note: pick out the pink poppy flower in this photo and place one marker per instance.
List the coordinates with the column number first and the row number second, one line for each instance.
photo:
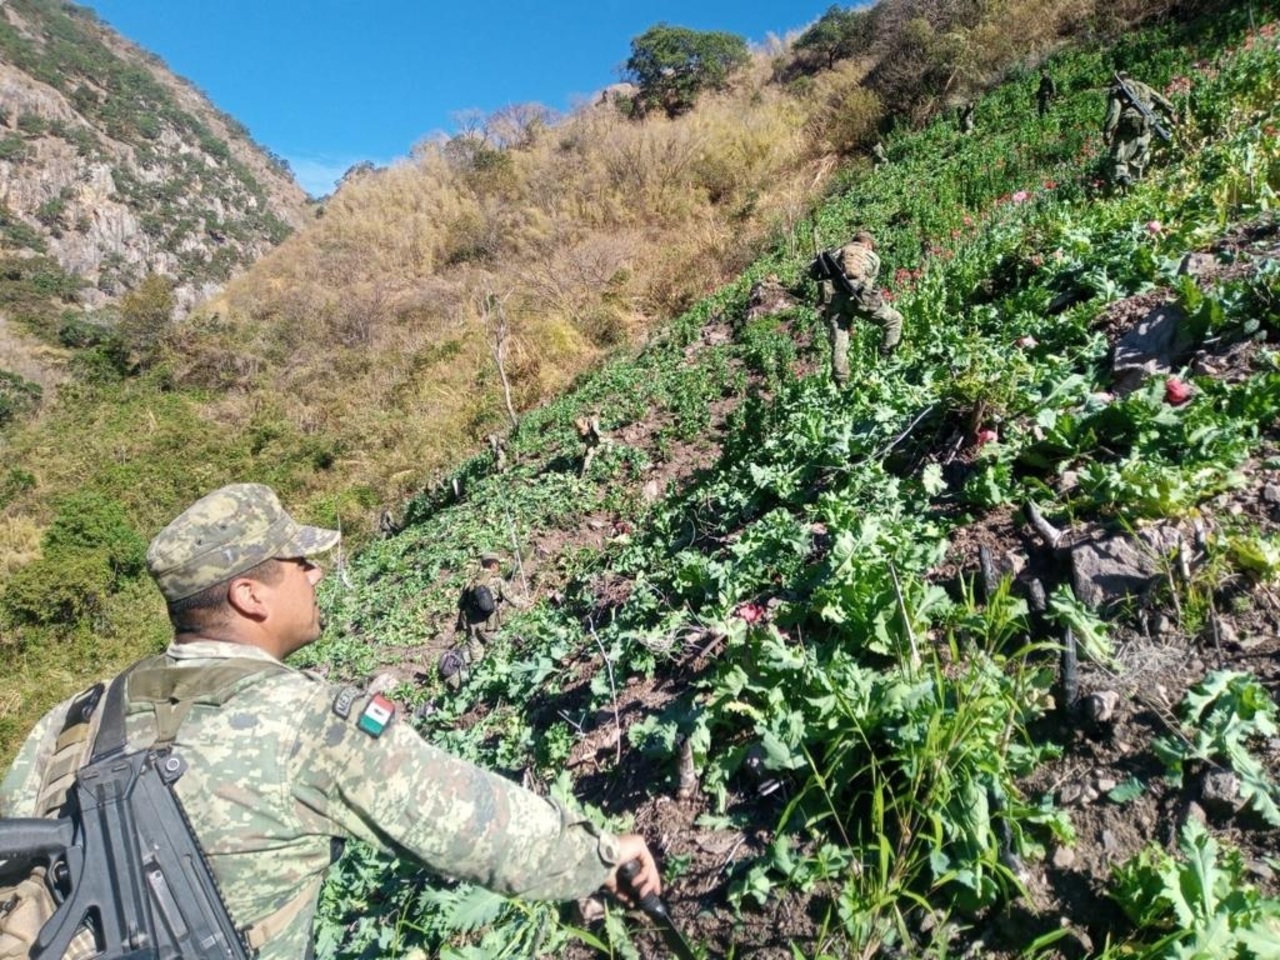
column 1176, row 392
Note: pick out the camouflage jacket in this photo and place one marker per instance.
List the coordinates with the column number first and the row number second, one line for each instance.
column 860, row 264
column 280, row 764
column 474, row 621
column 1121, row 107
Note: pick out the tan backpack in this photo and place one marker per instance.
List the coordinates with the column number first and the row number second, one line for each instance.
column 25, row 902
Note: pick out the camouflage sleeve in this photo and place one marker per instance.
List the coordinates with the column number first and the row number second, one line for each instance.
column 21, row 787
column 402, row 794
column 1113, row 115
column 873, row 267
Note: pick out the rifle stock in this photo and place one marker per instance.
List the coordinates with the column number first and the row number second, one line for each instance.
column 126, row 864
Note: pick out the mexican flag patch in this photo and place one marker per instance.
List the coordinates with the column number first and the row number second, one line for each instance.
column 376, row 715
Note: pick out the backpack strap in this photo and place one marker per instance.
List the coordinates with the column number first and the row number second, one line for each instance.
column 172, row 691
column 70, row 751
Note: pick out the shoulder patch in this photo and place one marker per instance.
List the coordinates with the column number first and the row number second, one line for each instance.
column 377, row 715
column 345, row 700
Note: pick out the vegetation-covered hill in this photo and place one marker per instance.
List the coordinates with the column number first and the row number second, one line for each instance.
column 355, row 364
column 114, row 170
column 827, row 601
column 842, row 611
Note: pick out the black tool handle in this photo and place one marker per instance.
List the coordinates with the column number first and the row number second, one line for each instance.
column 651, row 904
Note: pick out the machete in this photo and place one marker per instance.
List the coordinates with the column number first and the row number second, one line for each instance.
column 657, row 912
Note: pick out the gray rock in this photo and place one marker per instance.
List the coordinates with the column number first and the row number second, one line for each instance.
column 768, row 297
column 1150, row 348
column 1100, row 706
column 1220, row 793
column 1260, row 869
column 1114, row 568
column 1070, row 794
column 1271, row 493
column 384, row 682
column 1199, row 265
column 1063, row 858
column 1104, row 785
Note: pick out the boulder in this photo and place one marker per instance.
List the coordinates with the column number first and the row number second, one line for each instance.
column 1113, row 568
column 1151, row 348
column 768, row 297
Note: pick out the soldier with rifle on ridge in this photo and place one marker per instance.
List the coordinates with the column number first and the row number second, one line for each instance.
column 847, row 290
column 282, row 767
column 1129, row 124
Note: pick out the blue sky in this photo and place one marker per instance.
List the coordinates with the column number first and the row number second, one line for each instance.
column 328, row 83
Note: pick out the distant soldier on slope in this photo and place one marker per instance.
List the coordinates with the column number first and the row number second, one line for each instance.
column 846, row 287
column 592, row 437
column 479, row 618
column 498, row 447
column 1046, row 93
column 1129, row 124
column 964, row 117
column 879, row 156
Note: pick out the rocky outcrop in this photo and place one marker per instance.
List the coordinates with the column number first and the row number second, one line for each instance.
column 116, row 168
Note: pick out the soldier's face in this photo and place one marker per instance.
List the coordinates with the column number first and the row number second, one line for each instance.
column 295, row 616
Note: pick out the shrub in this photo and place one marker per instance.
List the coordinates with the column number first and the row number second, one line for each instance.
column 90, row 550
column 672, row 65
column 13, row 148
column 18, row 396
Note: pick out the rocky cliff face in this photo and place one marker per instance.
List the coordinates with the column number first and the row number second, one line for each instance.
column 116, row 168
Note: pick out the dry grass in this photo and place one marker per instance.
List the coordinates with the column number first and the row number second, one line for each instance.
column 364, row 328
column 19, row 543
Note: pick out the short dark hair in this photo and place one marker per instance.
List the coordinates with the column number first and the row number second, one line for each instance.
column 210, row 605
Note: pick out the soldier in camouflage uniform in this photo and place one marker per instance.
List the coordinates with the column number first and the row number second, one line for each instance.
column 1127, row 130
column 878, row 155
column 593, row 437
column 476, row 626
column 861, row 265
column 282, row 764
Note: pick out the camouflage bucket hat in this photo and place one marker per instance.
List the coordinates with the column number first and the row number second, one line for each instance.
column 226, row 533
column 490, row 557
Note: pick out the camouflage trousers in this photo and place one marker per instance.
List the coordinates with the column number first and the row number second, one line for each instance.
column 472, row 652
column 1130, row 151
column 840, row 317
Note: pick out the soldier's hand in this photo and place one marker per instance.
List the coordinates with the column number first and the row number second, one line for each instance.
column 646, row 881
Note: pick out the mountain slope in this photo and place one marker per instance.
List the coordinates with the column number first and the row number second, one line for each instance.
column 115, row 168
column 889, row 761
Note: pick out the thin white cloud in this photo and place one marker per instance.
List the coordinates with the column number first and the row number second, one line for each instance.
column 319, row 175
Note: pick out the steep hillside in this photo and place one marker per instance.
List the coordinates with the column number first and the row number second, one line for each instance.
column 824, row 648
column 114, row 168
column 824, row 601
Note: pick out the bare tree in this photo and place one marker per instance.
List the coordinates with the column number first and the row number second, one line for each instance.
column 495, row 318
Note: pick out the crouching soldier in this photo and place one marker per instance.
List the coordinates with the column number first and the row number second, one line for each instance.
column 847, row 289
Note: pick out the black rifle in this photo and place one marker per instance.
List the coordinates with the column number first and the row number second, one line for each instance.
column 124, row 862
column 1143, row 109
